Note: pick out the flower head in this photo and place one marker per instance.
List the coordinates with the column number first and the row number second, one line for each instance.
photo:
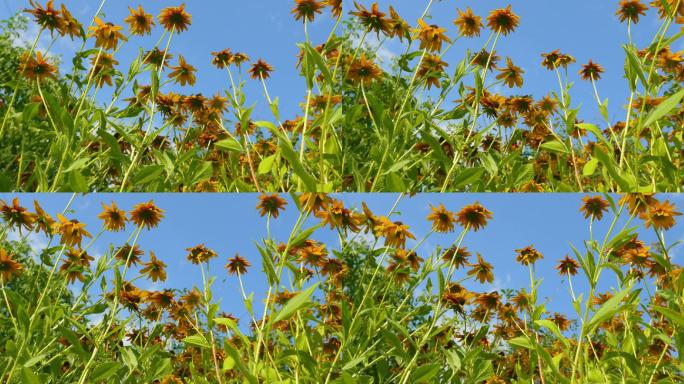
column 183, row 73
column 155, row 268
column 631, row 10
column 222, row 59
column 175, row 19
column 306, row 9
column 363, row 71
column 107, row 35
column 47, row 17
column 556, row 59
column 271, row 205
column 373, row 20
column 511, row 75
column 72, row 231
column 567, row 266
column 113, row 217
column 468, row 23
column 200, row 254
column 9, row 268
column 43, row 221
column 237, row 265
column 260, row 70
column 70, row 26
column 528, row 255
column 139, row 22
column 473, row 216
column 147, row 215
column 442, row 219
column 431, row 36
column 16, row 215
column 37, row 68
column 638, row 203
column 503, row 20
column 660, row 215
column 594, row 206
column 482, row 270
column 591, row 71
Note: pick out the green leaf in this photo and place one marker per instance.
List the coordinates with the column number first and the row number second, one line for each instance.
column 671, row 315
column 229, row 144
column 551, row 326
column 197, row 340
column 555, row 146
column 147, row 174
column 292, row 157
column 664, row 108
column 424, row 373
column 266, row 165
column 29, row 377
column 301, row 300
column 607, row 310
column 104, row 371
column 590, row 167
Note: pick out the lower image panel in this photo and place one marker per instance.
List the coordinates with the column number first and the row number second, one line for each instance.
column 341, row 288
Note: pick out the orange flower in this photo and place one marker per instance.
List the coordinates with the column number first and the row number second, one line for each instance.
column 631, row 10
column 306, row 9
column 48, row 17
column 458, row 257
column 373, row 20
column 473, row 216
column 399, row 27
column 147, row 215
column 556, row 59
column 70, row 26
column 113, row 217
column 335, row 7
column 107, row 35
column 16, row 215
column 157, row 58
column 431, row 36
column 511, row 75
column 155, row 268
column 44, row 222
column 103, row 68
column 363, row 71
column 468, row 23
column 594, row 206
column 482, row 270
column 9, row 268
column 222, row 58
column 503, row 21
column 271, row 205
column 395, row 233
column 130, row 255
column 567, row 266
column 442, row 219
column 237, row 265
column 528, row 255
column 72, row 231
column 139, row 22
column 314, row 202
column 260, row 70
column 175, row 19
column 37, row 68
column 183, row 73
column 660, row 215
column 591, row 71
column 200, row 254
column 431, row 69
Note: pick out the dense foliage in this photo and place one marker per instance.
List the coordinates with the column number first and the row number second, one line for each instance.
column 421, row 125
column 367, row 310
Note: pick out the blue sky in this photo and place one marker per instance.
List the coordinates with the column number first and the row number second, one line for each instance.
column 230, row 224
column 588, row 29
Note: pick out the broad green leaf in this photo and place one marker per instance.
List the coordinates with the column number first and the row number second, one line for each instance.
column 197, row 340
column 301, row 300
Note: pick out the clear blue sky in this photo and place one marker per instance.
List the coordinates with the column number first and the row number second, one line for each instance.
column 587, row 29
column 230, row 224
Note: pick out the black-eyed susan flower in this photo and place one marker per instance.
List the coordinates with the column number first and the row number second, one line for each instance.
column 395, row 233
column 556, row 59
column 157, row 58
column 307, row 9
column 46, row 17
column 159, row 299
column 271, row 205
column 660, row 215
column 114, row 218
column 260, row 70
column 567, row 266
column 486, row 59
column 107, row 35
column 594, row 206
column 528, row 255
column 482, row 270
column 9, row 268
column 130, row 255
column 313, row 202
column 335, row 7
column 200, row 254
column 456, row 256
column 139, row 22
column 146, row 215
column 373, row 20
column 239, row 58
column 631, row 10
column 183, row 73
column 638, row 203
column 399, row 27
column 591, row 71
column 503, row 20
column 363, row 71
column 442, row 219
column 511, row 75
column 43, row 221
column 469, row 24
column 175, row 19
column 237, row 265
column 155, row 268
column 71, row 231
column 17, row 216
column 431, row 70
column 431, row 36
column 473, row 216
column 37, row 67
column 70, row 26
column 222, row 59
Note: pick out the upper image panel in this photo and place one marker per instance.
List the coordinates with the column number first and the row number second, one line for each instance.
column 333, row 95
